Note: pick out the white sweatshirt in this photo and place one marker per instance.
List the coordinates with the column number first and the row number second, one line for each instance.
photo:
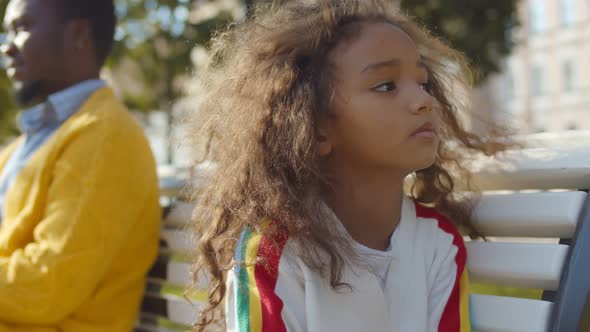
column 418, row 284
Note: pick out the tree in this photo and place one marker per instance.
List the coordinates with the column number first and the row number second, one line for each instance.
column 154, row 40
column 480, row 29
column 7, row 105
column 7, row 109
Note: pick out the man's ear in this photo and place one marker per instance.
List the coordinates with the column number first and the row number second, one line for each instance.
column 78, row 35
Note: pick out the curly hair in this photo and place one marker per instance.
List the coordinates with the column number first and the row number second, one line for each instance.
column 268, row 84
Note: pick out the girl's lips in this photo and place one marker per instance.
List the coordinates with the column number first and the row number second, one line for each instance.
column 426, row 130
column 425, row 134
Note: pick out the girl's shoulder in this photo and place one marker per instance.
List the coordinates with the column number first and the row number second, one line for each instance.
column 438, row 231
column 265, row 244
column 442, row 222
column 268, row 253
column 262, row 282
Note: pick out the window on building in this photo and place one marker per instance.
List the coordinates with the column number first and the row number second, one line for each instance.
column 537, row 81
column 536, row 16
column 567, row 12
column 568, row 80
column 539, row 129
column 509, row 86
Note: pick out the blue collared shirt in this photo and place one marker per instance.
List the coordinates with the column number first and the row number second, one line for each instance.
column 38, row 124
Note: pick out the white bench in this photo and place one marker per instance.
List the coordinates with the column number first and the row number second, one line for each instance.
column 521, row 213
column 533, row 198
column 167, row 307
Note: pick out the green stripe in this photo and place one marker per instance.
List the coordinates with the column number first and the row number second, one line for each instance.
column 180, row 258
column 168, row 324
column 243, row 287
column 197, row 295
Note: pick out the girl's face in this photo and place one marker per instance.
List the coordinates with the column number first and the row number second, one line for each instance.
column 383, row 116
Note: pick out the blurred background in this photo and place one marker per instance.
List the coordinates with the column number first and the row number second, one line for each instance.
column 532, row 59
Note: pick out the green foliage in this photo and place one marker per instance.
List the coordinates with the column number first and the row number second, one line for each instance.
column 480, row 29
column 7, row 109
column 157, row 37
column 7, row 106
column 154, row 40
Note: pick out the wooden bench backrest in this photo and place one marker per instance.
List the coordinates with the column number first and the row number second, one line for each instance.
column 531, row 210
column 167, row 306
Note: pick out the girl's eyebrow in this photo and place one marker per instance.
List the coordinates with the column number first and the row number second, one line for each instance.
column 390, row 63
column 379, row 65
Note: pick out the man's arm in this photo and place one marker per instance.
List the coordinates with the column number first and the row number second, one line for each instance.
column 95, row 195
column 7, row 151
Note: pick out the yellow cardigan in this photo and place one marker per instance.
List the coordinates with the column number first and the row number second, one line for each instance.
column 81, row 225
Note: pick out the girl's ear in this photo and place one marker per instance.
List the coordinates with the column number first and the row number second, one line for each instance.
column 325, row 141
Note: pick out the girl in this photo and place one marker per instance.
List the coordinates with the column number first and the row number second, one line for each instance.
column 317, row 113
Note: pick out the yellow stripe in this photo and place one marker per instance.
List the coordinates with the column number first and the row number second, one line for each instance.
column 464, row 302
column 255, row 305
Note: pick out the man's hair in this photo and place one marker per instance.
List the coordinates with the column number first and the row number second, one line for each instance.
column 100, row 14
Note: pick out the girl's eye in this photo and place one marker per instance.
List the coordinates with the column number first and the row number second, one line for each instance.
column 385, row 87
column 427, row 86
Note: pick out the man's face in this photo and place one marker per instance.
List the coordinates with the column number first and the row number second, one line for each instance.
column 33, row 48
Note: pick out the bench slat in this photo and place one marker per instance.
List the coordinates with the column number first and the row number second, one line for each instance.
column 180, row 214
column 177, row 272
column 166, row 290
column 534, row 168
column 542, row 214
column 177, row 311
column 506, row 314
column 182, row 312
column 166, row 300
column 171, row 187
column 524, row 265
column 155, row 328
column 177, row 240
column 146, row 327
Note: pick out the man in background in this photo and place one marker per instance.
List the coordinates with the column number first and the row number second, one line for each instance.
column 79, row 209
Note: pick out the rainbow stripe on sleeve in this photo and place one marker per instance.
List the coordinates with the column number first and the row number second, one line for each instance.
column 258, row 307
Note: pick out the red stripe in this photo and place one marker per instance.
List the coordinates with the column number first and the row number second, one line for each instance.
column 266, row 275
column 451, row 317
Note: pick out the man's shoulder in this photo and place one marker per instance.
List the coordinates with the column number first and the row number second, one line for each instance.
column 104, row 115
column 8, row 149
column 103, row 106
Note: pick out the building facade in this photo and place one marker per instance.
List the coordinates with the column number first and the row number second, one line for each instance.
column 545, row 83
